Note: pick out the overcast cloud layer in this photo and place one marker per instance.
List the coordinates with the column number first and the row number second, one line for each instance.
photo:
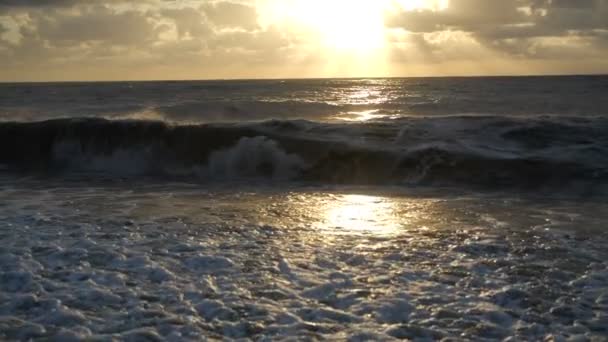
column 164, row 39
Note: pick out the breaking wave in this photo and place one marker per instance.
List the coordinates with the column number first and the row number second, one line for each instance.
column 488, row 152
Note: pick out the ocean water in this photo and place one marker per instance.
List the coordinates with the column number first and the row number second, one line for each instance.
column 346, row 209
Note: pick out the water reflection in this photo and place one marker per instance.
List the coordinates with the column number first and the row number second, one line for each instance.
column 356, row 214
column 364, row 115
column 361, row 214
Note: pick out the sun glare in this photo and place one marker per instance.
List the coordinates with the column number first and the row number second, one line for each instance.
column 346, row 25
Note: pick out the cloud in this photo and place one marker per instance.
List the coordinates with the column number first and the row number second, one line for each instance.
column 97, row 24
column 98, row 38
column 554, row 29
column 36, row 3
column 465, row 15
column 188, row 21
column 232, row 15
column 12, row 6
column 261, row 40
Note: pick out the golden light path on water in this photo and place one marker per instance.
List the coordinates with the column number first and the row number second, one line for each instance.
column 361, row 116
column 358, row 214
column 324, row 214
column 365, row 95
column 362, row 214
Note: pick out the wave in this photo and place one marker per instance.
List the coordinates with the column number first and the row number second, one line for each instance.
column 194, row 111
column 487, row 152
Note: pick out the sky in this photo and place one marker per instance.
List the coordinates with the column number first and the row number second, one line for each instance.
column 61, row 40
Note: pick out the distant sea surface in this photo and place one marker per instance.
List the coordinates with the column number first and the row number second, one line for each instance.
column 363, row 209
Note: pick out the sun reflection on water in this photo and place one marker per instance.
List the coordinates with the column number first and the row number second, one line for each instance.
column 365, row 115
column 362, row 214
column 330, row 214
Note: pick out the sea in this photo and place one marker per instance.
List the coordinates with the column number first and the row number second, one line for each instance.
column 448, row 209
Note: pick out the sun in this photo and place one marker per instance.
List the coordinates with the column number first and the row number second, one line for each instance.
column 346, row 25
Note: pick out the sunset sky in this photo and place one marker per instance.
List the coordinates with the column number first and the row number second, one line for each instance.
column 197, row 39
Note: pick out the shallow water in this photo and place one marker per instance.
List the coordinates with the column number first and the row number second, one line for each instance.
column 183, row 261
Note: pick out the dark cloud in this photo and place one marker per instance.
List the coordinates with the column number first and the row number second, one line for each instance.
column 466, row 15
column 97, row 24
column 517, row 27
column 36, row 3
column 60, row 3
column 8, row 6
column 575, row 15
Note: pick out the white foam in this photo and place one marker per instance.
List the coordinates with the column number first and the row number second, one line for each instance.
column 193, row 265
column 252, row 157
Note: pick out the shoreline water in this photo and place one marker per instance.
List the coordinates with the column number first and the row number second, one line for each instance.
column 178, row 261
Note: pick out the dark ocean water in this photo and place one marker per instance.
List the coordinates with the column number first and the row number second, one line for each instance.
column 469, row 209
column 526, row 132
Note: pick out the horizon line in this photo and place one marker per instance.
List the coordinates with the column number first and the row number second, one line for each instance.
column 236, row 79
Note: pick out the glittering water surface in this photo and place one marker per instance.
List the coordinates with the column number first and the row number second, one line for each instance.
column 318, row 100
column 182, row 261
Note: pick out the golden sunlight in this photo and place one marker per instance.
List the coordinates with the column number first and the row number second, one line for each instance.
column 362, row 214
column 346, row 25
column 355, row 214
